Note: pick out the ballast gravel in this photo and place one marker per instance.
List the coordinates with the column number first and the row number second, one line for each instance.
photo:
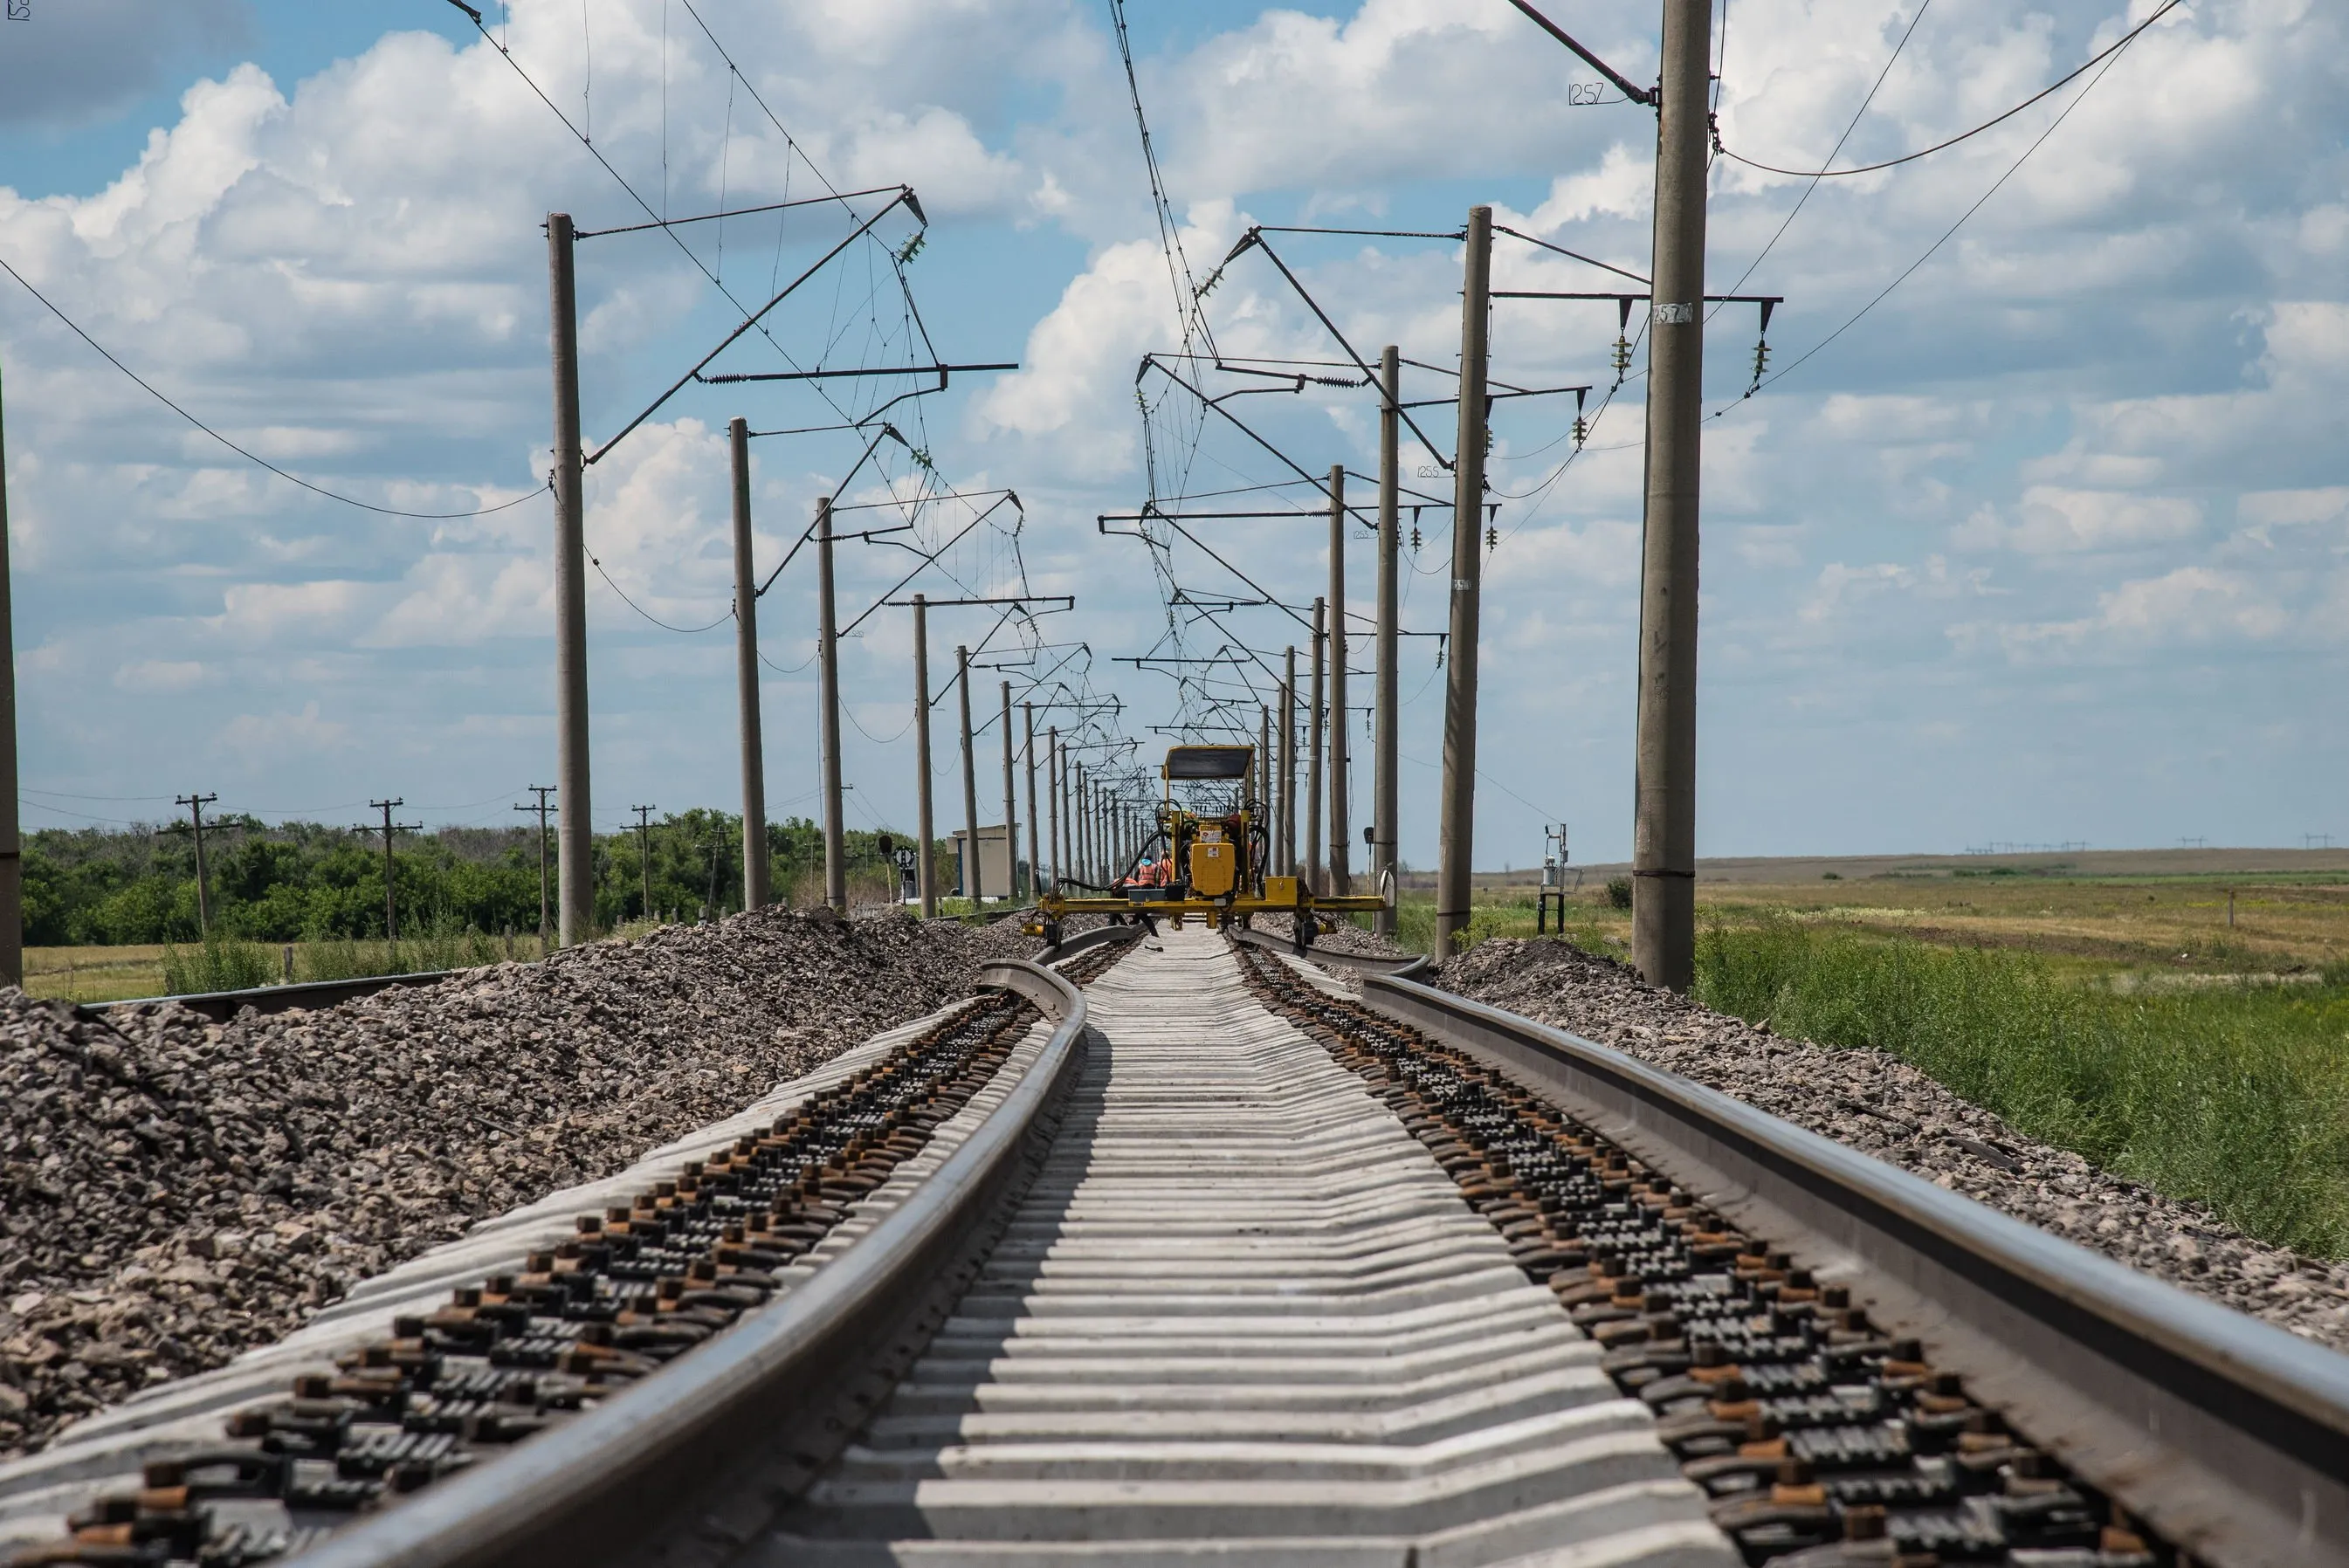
column 1883, row 1107
column 174, row 1192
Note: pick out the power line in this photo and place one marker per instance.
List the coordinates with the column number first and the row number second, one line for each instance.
column 2124, row 41
column 1856, row 117
column 149, row 388
column 648, row 615
column 1188, row 310
column 2111, row 60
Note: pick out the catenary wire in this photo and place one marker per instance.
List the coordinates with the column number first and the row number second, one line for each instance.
column 1857, row 114
column 149, row 388
column 2111, row 60
column 2124, row 41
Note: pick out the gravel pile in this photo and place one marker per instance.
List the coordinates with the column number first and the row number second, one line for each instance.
column 173, row 1190
column 1883, row 1107
column 1346, row 937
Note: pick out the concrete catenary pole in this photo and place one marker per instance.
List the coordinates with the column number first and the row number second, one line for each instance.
column 926, row 874
column 1052, row 800
column 972, row 882
column 1264, row 785
column 1457, row 849
column 1010, row 807
column 1088, row 836
column 11, row 848
column 1313, row 710
column 1664, row 826
column 1384, row 781
column 757, row 889
column 1080, row 847
column 1342, row 862
column 1028, row 765
column 1285, row 841
column 575, row 837
column 835, row 846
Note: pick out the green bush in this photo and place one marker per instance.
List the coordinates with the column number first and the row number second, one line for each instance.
column 218, row 964
column 2234, row 1096
column 1619, row 893
column 443, row 943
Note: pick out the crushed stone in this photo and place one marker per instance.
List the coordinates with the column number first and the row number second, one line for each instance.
column 174, row 1192
column 1883, row 1107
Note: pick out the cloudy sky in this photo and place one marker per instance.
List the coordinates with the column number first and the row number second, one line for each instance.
column 2047, row 545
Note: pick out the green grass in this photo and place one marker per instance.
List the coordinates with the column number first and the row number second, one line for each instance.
column 2235, row 1095
column 229, row 963
column 1589, row 925
column 218, row 964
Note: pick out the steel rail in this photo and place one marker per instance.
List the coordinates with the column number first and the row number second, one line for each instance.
column 1409, row 967
column 601, row 1486
column 2229, row 1437
column 221, row 1005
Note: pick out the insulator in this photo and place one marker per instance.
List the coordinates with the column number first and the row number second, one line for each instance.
column 1414, row 536
column 1622, row 358
column 1492, row 539
column 1581, row 430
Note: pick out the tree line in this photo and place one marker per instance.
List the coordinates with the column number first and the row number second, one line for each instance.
column 305, row 882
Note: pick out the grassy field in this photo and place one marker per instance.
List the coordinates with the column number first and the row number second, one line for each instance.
column 2123, row 1016
column 93, row 974
column 115, row 973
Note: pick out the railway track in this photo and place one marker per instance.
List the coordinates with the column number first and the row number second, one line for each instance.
column 1182, row 1252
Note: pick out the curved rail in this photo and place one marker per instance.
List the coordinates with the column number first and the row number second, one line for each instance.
column 1411, row 967
column 2230, row 1437
column 1099, row 936
column 220, row 1007
column 586, row 1491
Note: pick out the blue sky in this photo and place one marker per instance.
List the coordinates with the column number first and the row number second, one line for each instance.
column 2048, row 545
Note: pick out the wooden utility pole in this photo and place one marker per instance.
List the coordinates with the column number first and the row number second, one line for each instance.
column 544, row 911
column 1313, row 710
column 757, row 890
column 576, row 855
column 1010, row 805
column 12, row 843
column 644, row 853
column 195, row 804
column 1459, row 812
column 836, row 850
column 1341, row 869
column 1384, row 782
column 927, row 879
column 971, row 879
column 1664, row 826
column 1052, row 766
column 390, row 914
column 1028, row 761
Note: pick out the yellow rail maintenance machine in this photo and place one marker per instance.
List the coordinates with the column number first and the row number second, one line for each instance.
column 1209, row 858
